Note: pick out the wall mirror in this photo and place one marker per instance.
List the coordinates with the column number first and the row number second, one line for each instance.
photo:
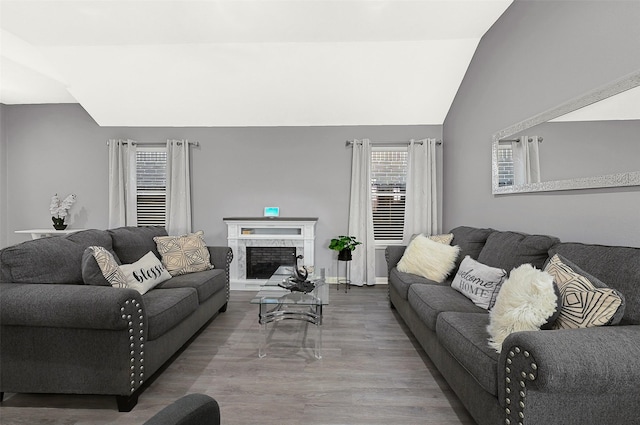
column 592, row 141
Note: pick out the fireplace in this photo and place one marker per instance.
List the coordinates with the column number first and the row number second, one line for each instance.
column 296, row 234
column 263, row 261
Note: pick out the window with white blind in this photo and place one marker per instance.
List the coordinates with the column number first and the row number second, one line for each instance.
column 151, row 174
column 388, row 191
column 505, row 165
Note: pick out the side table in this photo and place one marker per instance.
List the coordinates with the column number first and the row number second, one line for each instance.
column 45, row 233
column 347, row 274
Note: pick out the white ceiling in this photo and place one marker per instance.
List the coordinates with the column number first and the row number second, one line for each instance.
column 242, row 62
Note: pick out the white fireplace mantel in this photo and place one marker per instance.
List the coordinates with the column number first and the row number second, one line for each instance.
column 298, row 232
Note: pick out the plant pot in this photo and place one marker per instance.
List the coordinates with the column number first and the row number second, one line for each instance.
column 344, row 255
column 58, row 223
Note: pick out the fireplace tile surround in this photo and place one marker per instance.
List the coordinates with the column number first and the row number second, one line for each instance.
column 243, row 232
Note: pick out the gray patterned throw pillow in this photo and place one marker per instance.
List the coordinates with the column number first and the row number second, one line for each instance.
column 99, row 267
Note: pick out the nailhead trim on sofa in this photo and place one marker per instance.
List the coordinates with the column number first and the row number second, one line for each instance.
column 130, row 311
column 516, row 388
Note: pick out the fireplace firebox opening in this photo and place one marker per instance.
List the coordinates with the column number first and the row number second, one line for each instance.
column 262, row 262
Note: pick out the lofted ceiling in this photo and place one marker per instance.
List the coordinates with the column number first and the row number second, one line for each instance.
column 242, row 62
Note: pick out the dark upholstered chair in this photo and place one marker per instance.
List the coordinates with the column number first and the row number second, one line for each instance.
column 192, row 409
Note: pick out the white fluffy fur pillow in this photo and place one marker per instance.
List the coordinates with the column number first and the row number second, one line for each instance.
column 525, row 303
column 428, row 258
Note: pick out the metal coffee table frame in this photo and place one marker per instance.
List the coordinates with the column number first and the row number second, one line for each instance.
column 276, row 304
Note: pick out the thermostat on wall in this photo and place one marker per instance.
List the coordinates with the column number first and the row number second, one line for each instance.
column 271, row 211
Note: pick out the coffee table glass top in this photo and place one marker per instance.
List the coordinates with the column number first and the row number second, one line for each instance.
column 271, row 293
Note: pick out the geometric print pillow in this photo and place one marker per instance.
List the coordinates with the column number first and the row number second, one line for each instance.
column 108, row 272
column 442, row 238
column 184, row 254
column 583, row 304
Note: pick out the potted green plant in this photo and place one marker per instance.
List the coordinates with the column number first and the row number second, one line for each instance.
column 344, row 245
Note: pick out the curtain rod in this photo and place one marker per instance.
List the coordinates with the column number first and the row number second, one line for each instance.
column 419, row 142
column 135, row 142
column 540, row 139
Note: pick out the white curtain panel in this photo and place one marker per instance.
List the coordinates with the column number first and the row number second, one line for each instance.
column 421, row 202
column 178, row 188
column 526, row 160
column 122, row 183
column 363, row 264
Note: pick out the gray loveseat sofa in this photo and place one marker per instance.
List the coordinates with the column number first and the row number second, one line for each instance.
column 566, row 376
column 59, row 335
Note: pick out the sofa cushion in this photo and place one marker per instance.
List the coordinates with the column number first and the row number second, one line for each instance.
column 206, row 283
column 402, row 281
column 509, row 250
column 471, row 240
column 617, row 266
column 478, row 282
column 428, row 301
column 168, row 307
column 464, row 336
column 50, row 260
column 584, row 303
column 100, row 267
column 131, row 243
column 428, row 258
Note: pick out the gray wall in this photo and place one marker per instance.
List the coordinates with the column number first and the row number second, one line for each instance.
column 588, row 148
column 235, row 171
column 538, row 55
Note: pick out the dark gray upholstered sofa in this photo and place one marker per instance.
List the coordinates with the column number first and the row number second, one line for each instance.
column 567, row 376
column 191, row 409
column 59, row 335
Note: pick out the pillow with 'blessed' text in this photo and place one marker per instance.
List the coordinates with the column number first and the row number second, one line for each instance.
column 145, row 273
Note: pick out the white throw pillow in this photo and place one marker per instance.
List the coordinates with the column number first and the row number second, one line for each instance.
column 525, row 302
column 145, row 273
column 478, row 282
column 428, row 258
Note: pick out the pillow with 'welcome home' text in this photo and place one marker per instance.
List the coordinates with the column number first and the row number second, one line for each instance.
column 478, row 282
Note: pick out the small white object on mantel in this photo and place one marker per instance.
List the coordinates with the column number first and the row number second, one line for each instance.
column 45, row 233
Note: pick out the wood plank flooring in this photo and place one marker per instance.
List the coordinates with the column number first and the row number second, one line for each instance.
column 372, row 372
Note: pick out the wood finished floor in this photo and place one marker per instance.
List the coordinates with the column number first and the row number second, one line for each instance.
column 372, row 372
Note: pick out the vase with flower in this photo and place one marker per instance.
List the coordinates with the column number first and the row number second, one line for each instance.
column 60, row 209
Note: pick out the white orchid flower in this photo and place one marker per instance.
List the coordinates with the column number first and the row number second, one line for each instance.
column 61, row 208
column 55, row 204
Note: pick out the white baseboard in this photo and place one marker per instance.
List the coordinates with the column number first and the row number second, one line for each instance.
column 382, row 280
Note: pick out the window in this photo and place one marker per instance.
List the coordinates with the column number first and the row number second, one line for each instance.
column 151, row 174
column 505, row 165
column 388, row 191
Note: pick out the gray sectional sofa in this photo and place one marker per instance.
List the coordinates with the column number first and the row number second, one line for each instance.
column 59, row 335
column 565, row 376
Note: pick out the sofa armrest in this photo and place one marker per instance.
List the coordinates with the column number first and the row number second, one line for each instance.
column 192, row 409
column 221, row 256
column 393, row 254
column 67, row 306
column 577, row 361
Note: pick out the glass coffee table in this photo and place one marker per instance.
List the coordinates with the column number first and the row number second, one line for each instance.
column 276, row 304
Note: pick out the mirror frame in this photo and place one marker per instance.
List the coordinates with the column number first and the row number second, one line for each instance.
column 631, row 178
